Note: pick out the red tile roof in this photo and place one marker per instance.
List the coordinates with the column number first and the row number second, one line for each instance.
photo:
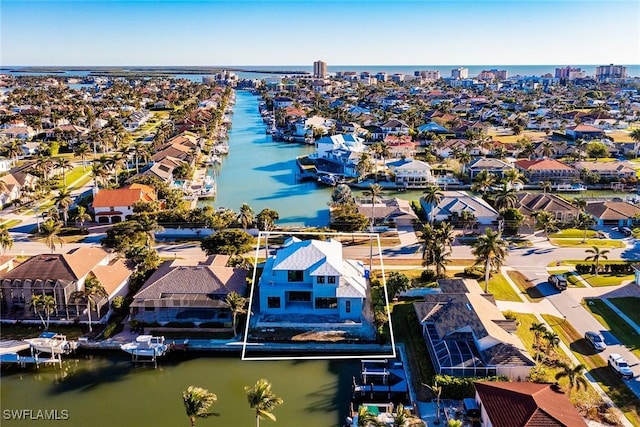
column 541, row 164
column 524, row 404
column 123, row 196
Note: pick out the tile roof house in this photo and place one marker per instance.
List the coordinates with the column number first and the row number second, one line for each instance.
column 562, row 210
column 546, row 169
column 467, row 335
column 60, row 275
column 584, row 131
column 454, row 202
column 311, row 277
column 608, row 170
column 181, row 291
column 495, row 166
column 116, row 205
column 525, row 404
column 613, row 213
column 397, row 210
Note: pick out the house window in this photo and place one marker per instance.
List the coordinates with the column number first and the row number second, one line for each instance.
column 332, row 279
column 295, row 275
column 347, row 306
column 273, row 302
column 299, row 296
column 326, row 303
column 320, row 279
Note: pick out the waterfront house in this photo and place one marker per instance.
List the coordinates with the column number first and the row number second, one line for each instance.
column 60, row 275
column 610, row 213
column 346, row 142
column 608, row 170
column 282, row 102
column 116, row 205
column 410, row 173
column 546, row 169
column 495, row 166
column 468, row 336
column 454, row 202
column 562, row 210
column 311, row 277
column 524, row 404
column 398, row 211
column 187, row 291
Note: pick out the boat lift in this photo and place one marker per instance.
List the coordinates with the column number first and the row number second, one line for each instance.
column 10, row 349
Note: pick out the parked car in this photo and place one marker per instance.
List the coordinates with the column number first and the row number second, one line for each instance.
column 559, row 281
column 596, row 340
column 620, row 365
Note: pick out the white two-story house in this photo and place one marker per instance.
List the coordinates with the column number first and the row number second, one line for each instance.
column 311, row 277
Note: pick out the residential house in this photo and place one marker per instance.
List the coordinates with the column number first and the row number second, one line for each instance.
column 495, row 166
column 584, row 131
column 468, row 336
column 60, row 275
column 184, row 291
column 6, row 263
column 347, row 142
column 398, row 211
column 17, row 132
column 311, row 277
column 608, row 170
column 282, row 102
column 5, row 164
column 525, row 404
column 395, row 127
column 608, row 213
column 562, row 210
column 454, row 202
column 410, row 173
column 546, row 170
column 116, row 205
column 15, row 184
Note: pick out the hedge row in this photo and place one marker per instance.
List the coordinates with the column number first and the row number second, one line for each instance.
column 605, row 268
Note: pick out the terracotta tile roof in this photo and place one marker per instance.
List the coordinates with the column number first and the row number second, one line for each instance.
column 525, row 404
column 112, row 275
column 83, row 259
column 126, row 196
column 584, row 128
column 541, row 164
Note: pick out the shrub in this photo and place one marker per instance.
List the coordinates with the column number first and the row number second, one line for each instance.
column 474, row 272
column 428, row 276
column 459, row 388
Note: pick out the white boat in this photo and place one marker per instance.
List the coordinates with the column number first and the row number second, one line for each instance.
column 51, row 342
column 146, row 345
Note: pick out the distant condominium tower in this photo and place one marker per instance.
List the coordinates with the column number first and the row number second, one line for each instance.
column 320, row 69
column 569, row 73
column 492, row 74
column 460, row 73
column 611, row 72
column 428, row 75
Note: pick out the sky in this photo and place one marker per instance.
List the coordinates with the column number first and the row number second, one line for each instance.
column 298, row 32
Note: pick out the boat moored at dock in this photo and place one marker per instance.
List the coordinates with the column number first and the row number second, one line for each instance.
column 146, row 346
column 51, row 342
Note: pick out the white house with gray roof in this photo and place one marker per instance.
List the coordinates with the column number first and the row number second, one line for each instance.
column 311, row 277
column 454, row 202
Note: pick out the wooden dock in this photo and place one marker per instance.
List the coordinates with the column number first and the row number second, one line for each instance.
column 9, row 354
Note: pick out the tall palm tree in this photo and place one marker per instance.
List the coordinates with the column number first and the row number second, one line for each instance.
column 64, row 164
column 581, row 145
column 262, row 400
column 547, row 149
column 432, row 196
column 546, row 221
column 50, row 229
column 545, row 186
column 553, row 340
column 238, row 305
column 82, row 150
column 584, row 221
column 148, row 225
column 428, row 239
column 14, row 150
column 513, row 177
column 483, row 181
column 574, row 375
column 538, row 329
column 491, row 250
column 197, row 401
column 81, row 216
column 6, row 241
column 64, row 201
column 596, row 255
column 245, row 217
column 635, row 135
column 92, row 289
column 43, row 306
column 505, row 197
column 140, row 152
column 375, row 191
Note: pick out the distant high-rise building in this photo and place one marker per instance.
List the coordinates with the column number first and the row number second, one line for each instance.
column 493, row 74
column 611, row 72
column 320, row 69
column 429, row 75
column 460, row 73
column 569, row 73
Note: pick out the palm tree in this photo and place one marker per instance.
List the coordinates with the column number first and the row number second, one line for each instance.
column 43, row 305
column 596, row 255
column 375, row 190
column 402, row 417
column 82, row 150
column 538, row 329
column 432, row 196
column 262, row 400
column 428, row 238
column 547, row 149
column 64, row 164
column 245, row 217
column 92, row 289
column 367, row 418
column 81, row 216
column 583, row 221
column 546, row 221
column 140, row 152
column 237, row 304
column 364, row 166
column 483, row 181
column 545, row 186
column 505, row 198
column 6, row 241
column 553, row 340
column 574, row 375
column 14, row 149
column 50, row 229
column 635, row 135
column 491, row 250
column 197, row 402
column 513, row 177
column 148, row 225
column 64, row 201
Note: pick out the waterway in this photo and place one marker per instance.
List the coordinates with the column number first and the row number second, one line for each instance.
column 109, row 391
column 263, row 173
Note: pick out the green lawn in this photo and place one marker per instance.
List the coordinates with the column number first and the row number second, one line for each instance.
column 527, row 288
column 501, row 289
column 604, row 279
column 615, row 388
column 578, row 243
column 582, row 261
column 524, row 323
column 574, row 280
column 572, row 232
column 75, row 174
column 611, row 321
column 629, row 306
column 81, row 182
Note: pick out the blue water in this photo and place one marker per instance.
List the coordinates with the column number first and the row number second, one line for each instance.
column 262, row 173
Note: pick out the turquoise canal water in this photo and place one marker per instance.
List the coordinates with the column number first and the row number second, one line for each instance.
column 262, row 173
column 110, row 391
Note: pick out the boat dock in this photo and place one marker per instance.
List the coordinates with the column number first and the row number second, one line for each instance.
column 9, row 354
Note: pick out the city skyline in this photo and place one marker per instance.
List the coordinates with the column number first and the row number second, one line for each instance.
column 201, row 33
